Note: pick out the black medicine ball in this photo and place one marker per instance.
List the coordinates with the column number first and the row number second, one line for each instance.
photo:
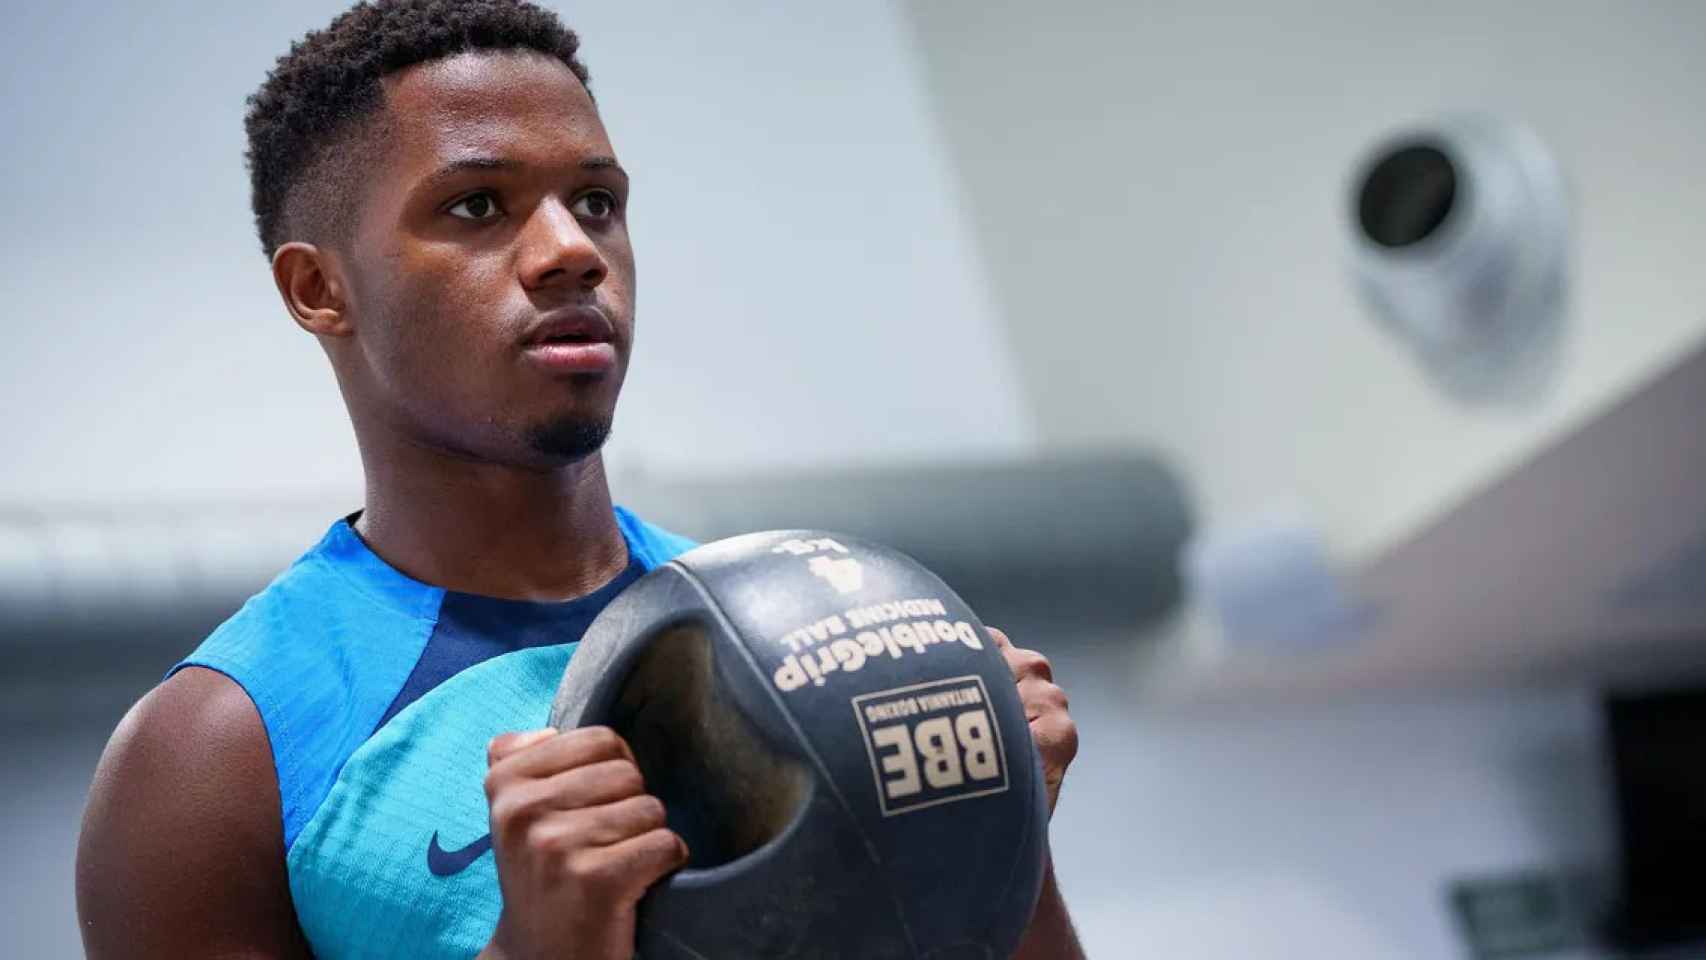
column 838, row 740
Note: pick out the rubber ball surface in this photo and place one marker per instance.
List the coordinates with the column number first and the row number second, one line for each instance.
column 838, row 740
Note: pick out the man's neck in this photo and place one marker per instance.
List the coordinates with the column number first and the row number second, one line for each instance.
column 494, row 530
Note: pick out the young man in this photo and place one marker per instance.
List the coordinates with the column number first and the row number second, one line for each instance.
column 337, row 769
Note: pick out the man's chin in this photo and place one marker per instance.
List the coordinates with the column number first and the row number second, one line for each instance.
column 569, row 438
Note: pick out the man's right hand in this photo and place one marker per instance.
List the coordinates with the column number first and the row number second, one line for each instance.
column 577, row 839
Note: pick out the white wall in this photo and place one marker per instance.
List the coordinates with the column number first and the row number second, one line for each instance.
column 1160, row 192
column 1321, row 830
column 808, row 292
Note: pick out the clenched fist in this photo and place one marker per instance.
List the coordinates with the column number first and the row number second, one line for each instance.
column 1052, row 729
column 577, row 839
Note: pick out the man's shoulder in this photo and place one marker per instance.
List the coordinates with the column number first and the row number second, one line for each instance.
column 184, row 790
column 193, row 727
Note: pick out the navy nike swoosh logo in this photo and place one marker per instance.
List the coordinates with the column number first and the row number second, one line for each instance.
column 448, row 863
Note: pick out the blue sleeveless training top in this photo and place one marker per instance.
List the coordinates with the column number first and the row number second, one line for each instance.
column 379, row 694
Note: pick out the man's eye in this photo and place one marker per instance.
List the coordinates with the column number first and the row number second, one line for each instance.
column 480, row 206
column 598, row 205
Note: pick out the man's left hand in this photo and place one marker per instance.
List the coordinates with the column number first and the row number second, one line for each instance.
column 1052, row 729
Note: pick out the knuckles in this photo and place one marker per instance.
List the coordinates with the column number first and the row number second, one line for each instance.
column 603, row 741
column 1027, row 663
column 590, row 874
column 1052, row 695
column 552, row 837
column 601, row 879
column 1033, row 664
column 1043, row 696
column 628, row 779
column 514, row 801
column 1057, row 738
column 508, row 810
column 652, row 812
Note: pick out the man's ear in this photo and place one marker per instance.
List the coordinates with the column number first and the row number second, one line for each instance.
column 313, row 289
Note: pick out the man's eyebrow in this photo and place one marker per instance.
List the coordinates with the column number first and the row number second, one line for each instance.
column 462, row 165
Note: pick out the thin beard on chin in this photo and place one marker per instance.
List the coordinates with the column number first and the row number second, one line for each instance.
column 569, row 438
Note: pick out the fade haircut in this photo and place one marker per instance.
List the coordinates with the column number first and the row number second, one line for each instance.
column 310, row 121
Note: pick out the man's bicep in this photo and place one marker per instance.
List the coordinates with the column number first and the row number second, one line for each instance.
column 182, row 851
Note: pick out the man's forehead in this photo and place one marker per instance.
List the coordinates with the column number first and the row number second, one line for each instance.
column 491, row 100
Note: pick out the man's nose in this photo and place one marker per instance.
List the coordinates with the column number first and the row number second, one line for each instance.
column 555, row 250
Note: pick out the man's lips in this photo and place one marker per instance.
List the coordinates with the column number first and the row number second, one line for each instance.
column 580, row 324
column 573, row 340
column 567, row 356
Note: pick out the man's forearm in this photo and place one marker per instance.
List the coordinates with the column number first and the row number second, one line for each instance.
column 1050, row 935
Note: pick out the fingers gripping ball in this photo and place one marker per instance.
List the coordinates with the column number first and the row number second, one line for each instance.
column 839, row 741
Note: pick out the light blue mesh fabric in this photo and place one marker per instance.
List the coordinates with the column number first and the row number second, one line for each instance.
column 359, row 873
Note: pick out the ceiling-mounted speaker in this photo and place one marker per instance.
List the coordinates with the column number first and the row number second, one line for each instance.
column 1462, row 250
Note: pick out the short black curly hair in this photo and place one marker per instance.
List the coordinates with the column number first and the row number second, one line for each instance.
column 307, row 118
